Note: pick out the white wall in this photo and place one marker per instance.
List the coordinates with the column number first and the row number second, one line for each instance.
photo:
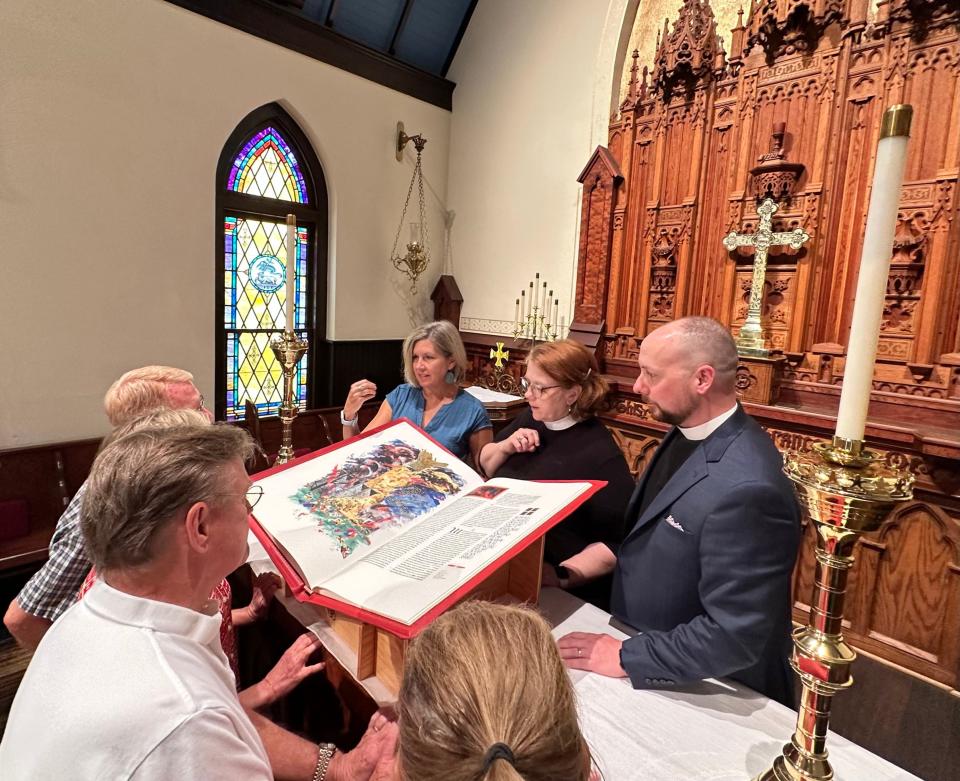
column 112, row 116
column 535, row 80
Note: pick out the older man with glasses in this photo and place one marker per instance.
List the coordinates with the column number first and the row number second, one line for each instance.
column 132, row 681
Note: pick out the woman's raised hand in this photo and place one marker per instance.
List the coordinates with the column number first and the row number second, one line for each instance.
column 524, row 440
column 360, row 391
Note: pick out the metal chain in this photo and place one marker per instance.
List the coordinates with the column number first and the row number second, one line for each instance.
column 423, row 211
column 418, row 178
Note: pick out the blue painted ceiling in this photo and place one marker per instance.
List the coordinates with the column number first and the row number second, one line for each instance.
column 421, row 33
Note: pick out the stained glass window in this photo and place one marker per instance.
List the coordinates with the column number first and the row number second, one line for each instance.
column 266, row 166
column 266, row 171
column 255, row 258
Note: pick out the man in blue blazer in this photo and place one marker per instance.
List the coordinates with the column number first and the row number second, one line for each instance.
column 704, row 572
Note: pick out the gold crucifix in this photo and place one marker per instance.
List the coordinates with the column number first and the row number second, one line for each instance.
column 500, row 354
column 751, row 340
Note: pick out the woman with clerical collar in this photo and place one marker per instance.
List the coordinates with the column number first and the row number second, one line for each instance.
column 559, row 438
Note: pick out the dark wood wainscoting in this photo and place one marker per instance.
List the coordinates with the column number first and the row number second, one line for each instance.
column 380, row 361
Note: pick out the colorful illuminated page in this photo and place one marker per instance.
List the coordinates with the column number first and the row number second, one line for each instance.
column 393, row 523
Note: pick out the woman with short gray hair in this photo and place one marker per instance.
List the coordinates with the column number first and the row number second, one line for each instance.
column 434, row 361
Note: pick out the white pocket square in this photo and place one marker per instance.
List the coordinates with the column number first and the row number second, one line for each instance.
column 674, row 523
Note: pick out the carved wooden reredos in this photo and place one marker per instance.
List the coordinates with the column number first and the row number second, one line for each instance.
column 798, row 101
column 675, row 178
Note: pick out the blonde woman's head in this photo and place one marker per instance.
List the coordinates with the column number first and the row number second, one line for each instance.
column 485, row 696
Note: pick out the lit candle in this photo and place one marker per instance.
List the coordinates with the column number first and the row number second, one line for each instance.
column 874, row 270
column 291, row 271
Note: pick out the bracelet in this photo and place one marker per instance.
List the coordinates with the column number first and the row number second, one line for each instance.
column 324, row 757
column 344, row 420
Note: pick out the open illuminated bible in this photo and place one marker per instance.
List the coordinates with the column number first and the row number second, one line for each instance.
column 390, row 528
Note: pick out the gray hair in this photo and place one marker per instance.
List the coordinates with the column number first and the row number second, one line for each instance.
column 141, row 390
column 708, row 341
column 161, row 418
column 142, row 479
column 447, row 340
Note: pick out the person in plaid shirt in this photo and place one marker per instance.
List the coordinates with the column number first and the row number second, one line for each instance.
column 55, row 586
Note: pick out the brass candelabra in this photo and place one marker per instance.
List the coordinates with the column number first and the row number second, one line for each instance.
column 288, row 349
column 534, row 319
column 846, row 491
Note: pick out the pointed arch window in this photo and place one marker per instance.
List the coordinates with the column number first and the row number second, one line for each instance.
column 267, row 170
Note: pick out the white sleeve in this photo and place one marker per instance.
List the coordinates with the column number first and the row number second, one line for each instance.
column 208, row 745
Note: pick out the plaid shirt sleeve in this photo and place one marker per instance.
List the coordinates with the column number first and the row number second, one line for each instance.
column 55, row 586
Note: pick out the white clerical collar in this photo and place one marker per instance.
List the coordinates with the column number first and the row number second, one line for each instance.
column 704, row 430
column 560, row 425
column 202, row 627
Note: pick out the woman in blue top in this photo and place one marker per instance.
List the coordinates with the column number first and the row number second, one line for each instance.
column 433, row 362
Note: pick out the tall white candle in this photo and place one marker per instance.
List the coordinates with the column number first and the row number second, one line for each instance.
column 874, row 269
column 516, row 317
column 291, row 272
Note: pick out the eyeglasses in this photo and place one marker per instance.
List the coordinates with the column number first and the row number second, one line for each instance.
column 535, row 390
column 253, row 495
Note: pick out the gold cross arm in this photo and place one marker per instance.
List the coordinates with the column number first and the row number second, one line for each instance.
column 733, row 240
column 795, row 238
column 500, row 355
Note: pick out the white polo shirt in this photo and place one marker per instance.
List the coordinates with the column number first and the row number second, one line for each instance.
column 128, row 688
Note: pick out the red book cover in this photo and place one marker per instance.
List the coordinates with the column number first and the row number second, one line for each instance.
column 291, row 574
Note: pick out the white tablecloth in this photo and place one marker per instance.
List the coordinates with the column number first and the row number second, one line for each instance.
column 714, row 731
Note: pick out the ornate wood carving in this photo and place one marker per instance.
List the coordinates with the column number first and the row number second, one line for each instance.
column 786, row 27
column 693, row 125
column 758, row 379
column 600, row 178
column 687, row 56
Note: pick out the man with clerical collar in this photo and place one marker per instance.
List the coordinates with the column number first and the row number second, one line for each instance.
column 132, row 681
column 704, row 571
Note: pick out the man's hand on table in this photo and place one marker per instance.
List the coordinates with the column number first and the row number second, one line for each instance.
column 596, row 653
column 373, row 759
column 286, row 674
column 292, row 667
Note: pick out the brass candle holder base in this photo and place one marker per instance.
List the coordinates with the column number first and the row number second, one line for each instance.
column 846, row 491
column 288, row 349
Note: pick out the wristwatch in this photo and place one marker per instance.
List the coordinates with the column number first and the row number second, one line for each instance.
column 347, row 421
column 563, row 575
column 324, row 756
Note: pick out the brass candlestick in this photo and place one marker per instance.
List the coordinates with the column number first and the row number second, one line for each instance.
column 846, row 490
column 288, row 349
